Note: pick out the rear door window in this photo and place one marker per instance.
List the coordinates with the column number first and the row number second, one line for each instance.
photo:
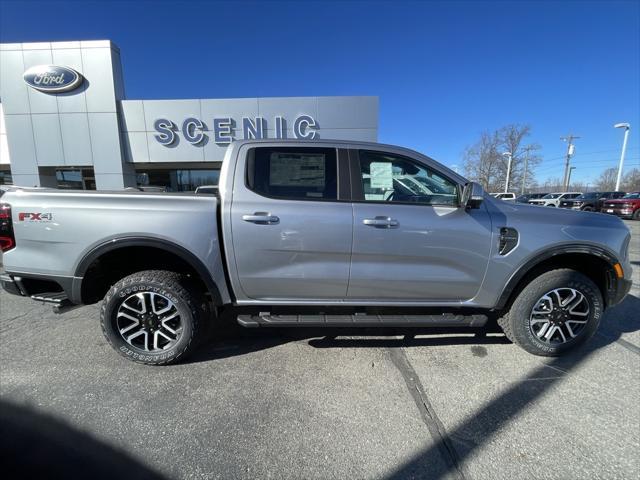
column 295, row 173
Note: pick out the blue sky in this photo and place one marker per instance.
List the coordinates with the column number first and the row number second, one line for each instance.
column 444, row 71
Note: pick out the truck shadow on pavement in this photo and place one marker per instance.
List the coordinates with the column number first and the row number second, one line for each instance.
column 446, row 458
column 450, row 449
column 37, row 445
column 228, row 339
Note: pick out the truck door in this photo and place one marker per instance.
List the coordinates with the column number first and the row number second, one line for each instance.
column 411, row 241
column 291, row 232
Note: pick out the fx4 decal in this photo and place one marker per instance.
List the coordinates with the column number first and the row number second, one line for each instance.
column 35, row 217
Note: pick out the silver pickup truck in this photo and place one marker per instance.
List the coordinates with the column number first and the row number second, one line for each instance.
column 322, row 233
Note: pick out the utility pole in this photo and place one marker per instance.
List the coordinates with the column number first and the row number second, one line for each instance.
column 570, row 149
column 571, row 169
column 527, row 149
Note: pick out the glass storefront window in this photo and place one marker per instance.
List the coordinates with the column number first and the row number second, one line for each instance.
column 5, row 178
column 76, row 179
column 184, row 180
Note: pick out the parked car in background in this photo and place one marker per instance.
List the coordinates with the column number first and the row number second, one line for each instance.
column 591, row 201
column 529, row 196
column 625, row 207
column 554, row 199
column 506, row 196
column 207, row 189
column 153, row 188
column 148, row 188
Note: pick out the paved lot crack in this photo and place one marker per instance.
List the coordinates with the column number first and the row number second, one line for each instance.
column 629, row 346
column 19, row 316
column 427, row 412
column 623, row 343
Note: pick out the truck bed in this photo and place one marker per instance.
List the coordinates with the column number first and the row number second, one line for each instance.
column 57, row 230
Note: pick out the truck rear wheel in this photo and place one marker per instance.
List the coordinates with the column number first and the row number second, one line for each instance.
column 554, row 313
column 152, row 317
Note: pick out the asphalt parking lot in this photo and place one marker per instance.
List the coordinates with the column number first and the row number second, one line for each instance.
column 300, row 404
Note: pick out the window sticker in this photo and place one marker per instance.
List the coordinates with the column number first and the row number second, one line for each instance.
column 297, row 170
column 381, row 175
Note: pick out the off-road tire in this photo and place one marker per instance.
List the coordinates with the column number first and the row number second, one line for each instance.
column 636, row 215
column 515, row 322
column 187, row 299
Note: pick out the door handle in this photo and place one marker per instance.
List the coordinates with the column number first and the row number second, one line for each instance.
column 381, row 222
column 261, row 218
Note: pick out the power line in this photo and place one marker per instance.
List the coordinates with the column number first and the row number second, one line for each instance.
column 600, row 161
column 589, row 153
column 606, row 151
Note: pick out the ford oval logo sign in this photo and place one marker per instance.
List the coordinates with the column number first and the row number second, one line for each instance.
column 52, row 78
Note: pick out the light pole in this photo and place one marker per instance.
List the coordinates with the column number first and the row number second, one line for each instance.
column 506, row 184
column 571, row 169
column 626, row 127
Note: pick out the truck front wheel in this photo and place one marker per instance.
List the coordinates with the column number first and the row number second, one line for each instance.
column 554, row 313
column 152, row 317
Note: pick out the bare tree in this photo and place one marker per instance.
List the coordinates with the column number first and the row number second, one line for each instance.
column 512, row 140
column 607, row 179
column 579, row 187
column 486, row 164
column 551, row 185
column 482, row 162
column 631, row 181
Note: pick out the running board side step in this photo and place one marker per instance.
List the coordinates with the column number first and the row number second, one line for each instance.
column 59, row 300
column 266, row 319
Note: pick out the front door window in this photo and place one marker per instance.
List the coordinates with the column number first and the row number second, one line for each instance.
column 390, row 178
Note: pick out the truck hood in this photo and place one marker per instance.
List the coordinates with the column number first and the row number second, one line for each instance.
column 562, row 219
column 541, row 229
column 620, row 201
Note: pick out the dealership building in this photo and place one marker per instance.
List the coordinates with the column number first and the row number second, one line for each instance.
column 65, row 122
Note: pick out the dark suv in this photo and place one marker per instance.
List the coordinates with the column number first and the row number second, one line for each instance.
column 590, row 202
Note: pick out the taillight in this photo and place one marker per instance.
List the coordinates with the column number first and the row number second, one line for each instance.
column 7, row 240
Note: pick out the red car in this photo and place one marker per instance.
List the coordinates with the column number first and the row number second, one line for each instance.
column 625, row 207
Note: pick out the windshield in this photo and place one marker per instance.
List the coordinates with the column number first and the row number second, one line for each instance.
column 586, row 196
column 432, row 185
column 632, row 195
column 552, row 195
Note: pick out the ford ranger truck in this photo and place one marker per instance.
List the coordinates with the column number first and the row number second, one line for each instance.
column 315, row 233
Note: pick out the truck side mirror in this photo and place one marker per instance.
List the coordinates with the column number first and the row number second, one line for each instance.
column 472, row 195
